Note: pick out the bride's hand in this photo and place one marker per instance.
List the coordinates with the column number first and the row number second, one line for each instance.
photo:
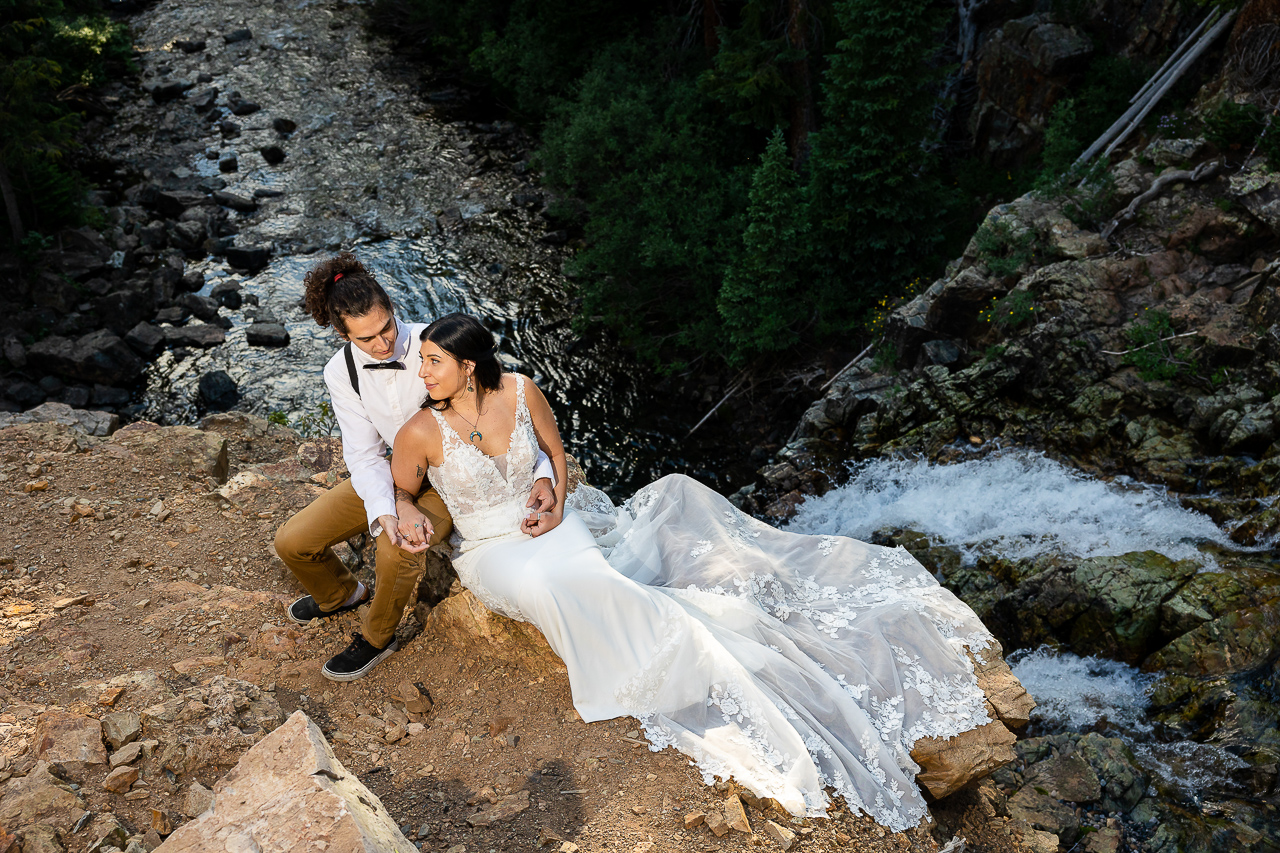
column 538, row 523
column 415, row 528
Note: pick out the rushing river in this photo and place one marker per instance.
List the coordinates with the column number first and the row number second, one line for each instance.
column 1021, row 505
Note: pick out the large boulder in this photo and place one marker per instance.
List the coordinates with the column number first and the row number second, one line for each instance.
column 1023, row 69
column 89, row 422
column 99, row 356
column 290, row 793
column 177, row 448
column 461, row 618
column 39, row 798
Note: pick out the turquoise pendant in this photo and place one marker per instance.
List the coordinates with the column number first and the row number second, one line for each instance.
column 475, row 436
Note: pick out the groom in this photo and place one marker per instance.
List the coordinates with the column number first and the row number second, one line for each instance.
column 374, row 385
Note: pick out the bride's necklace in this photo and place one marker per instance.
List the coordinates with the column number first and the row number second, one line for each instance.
column 476, row 435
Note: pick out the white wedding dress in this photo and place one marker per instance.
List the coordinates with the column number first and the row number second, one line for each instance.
column 792, row 663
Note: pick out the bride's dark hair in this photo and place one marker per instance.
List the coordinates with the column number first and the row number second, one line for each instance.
column 466, row 339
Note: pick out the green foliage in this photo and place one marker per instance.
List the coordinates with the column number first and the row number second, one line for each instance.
column 874, row 193
column 1017, row 308
column 319, row 421
column 1004, row 251
column 762, row 300
column 748, row 71
column 1075, row 122
column 278, row 418
column 46, row 48
column 1153, row 351
column 1241, row 127
column 664, row 187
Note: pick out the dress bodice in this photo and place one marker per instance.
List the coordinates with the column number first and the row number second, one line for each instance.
column 486, row 495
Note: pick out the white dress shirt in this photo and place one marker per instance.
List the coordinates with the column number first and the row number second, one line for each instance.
column 370, row 419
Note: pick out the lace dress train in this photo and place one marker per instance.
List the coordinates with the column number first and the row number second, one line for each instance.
column 790, row 662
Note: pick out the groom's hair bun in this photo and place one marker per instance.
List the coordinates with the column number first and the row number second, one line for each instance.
column 466, row 339
column 341, row 287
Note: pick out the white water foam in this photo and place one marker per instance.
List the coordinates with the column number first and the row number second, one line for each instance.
column 1076, row 693
column 1018, row 504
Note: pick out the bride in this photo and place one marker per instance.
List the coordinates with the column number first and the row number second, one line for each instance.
column 793, row 663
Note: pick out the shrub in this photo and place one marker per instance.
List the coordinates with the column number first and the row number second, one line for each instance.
column 1153, row 352
column 1004, row 251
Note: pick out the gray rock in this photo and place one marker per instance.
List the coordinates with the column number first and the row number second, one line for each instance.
column 201, row 307
column 14, row 352
column 91, row 423
column 167, row 90
column 241, row 203
column 940, row 352
column 267, row 335
column 76, row 396
column 99, row 356
column 218, row 391
column 173, row 314
column 111, row 398
column 1175, row 152
column 273, row 154
column 227, row 294
column 238, row 35
column 199, row 335
column 229, row 162
column 147, row 340
column 251, row 258
column 283, row 125
column 120, row 728
column 192, row 46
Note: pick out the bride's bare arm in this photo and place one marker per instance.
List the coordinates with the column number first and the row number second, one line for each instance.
column 415, row 444
column 544, row 424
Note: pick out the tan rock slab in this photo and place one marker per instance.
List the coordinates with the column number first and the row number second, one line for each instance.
column 716, row 823
column 694, row 819
column 735, row 815
column 39, row 797
column 121, row 728
column 120, row 780
column 948, row 765
column 183, row 667
column 290, row 794
column 162, row 822
column 126, row 754
column 504, row 809
column 1066, row 777
column 780, row 835
column 198, row 800
column 461, row 619
column 71, row 739
column 1009, row 700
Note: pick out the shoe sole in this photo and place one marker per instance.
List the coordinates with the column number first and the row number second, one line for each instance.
column 288, row 612
column 362, row 671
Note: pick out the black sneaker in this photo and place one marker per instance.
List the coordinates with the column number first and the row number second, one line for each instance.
column 305, row 609
column 358, row 659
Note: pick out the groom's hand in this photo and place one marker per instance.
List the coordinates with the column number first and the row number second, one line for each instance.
column 542, row 497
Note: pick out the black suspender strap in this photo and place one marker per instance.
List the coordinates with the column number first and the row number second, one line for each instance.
column 351, row 369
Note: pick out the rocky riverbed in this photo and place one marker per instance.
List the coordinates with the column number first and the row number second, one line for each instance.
column 255, row 139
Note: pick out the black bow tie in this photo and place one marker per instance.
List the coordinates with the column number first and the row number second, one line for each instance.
column 385, row 365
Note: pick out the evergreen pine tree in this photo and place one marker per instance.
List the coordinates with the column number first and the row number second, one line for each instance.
column 876, row 204
column 761, row 300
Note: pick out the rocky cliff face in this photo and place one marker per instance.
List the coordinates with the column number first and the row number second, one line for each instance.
column 1139, row 338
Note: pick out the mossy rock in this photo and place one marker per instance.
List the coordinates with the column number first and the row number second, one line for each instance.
column 1107, row 606
column 1234, row 642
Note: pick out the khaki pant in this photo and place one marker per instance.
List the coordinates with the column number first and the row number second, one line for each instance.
column 306, row 541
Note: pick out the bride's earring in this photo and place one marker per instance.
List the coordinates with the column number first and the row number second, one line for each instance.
column 471, row 385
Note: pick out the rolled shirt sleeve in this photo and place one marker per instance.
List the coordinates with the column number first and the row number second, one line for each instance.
column 543, row 468
column 363, row 449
